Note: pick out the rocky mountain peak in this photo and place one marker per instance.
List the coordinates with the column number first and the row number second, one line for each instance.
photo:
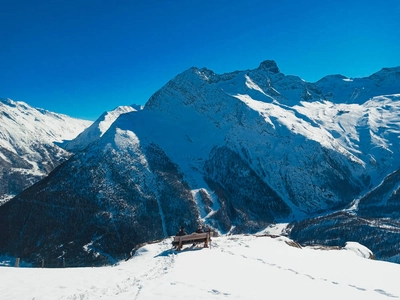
column 270, row 66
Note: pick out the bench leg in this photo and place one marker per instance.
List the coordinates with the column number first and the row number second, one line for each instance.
column 206, row 242
column 180, row 244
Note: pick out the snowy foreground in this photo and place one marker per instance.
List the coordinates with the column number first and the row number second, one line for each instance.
column 236, row 267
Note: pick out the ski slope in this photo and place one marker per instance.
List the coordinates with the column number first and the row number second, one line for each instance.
column 235, row 267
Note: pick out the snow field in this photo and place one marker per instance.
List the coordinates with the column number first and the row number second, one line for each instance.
column 236, row 267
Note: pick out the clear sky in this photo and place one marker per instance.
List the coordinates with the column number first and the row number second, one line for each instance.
column 83, row 57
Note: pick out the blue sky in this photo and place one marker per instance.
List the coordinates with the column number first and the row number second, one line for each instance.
column 82, row 57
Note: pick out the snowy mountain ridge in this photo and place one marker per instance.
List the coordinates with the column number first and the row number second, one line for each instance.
column 98, row 128
column 235, row 152
column 34, row 121
column 27, row 143
column 338, row 88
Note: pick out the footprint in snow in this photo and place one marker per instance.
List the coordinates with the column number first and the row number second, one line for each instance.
column 216, row 292
column 382, row 292
column 356, row 287
column 309, row 276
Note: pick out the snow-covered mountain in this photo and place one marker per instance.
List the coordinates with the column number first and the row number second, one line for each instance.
column 98, row 128
column 28, row 149
column 235, row 267
column 236, row 151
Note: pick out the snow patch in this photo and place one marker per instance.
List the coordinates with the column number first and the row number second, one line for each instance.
column 358, row 249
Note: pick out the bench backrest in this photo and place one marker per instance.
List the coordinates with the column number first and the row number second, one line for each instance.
column 193, row 237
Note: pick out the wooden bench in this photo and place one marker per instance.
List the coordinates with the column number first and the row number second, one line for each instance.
column 193, row 238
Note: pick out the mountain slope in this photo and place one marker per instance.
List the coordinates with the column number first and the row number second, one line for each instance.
column 27, row 144
column 372, row 220
column 236, row 151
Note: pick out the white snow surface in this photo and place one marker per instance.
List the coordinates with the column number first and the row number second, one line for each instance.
column 98, row 128
column 235, row 267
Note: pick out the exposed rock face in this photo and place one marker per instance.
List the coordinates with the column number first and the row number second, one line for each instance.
column 235, row 152
column 269, row 66
column 248, row 204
